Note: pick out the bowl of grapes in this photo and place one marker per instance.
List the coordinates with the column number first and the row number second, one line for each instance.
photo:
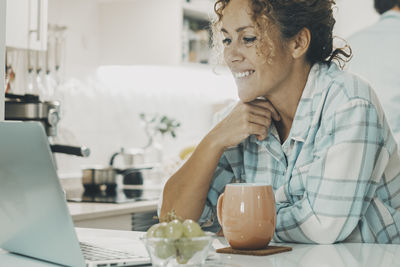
column 177, row 242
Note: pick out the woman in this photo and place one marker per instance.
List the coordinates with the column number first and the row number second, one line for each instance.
column 318, row 135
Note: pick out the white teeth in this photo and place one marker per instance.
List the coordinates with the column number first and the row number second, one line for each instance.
column 243, row 74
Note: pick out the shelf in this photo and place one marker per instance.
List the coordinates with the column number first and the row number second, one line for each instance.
column 201, row 10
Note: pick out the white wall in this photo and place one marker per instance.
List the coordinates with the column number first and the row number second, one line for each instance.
column 140, row 32
column 103, row 114
column 92, row 38
column 2, row 54
column 82, row 42
column 353, row 15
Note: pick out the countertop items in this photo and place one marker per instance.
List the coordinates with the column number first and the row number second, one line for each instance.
column 256, row 252
column 337, row 255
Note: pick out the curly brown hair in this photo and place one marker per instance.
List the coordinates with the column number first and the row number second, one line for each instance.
column 290, row 17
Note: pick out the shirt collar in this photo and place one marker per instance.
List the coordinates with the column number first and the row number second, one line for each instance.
column 305, row 110
column 318, row 80
column 390, row 14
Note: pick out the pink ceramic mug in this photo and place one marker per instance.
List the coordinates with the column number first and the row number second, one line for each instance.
column 247, row 215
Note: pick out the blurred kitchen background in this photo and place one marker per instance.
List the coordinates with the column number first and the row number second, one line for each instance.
column 106, row 62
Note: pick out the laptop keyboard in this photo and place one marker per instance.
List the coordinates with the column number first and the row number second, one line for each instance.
column 94, row 253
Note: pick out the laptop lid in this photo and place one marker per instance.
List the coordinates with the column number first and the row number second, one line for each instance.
column 34, row 217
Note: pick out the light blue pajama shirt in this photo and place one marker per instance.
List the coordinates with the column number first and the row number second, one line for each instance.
column 336, row 177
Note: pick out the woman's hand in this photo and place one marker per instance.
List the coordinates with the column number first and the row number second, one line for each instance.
column 245, row 119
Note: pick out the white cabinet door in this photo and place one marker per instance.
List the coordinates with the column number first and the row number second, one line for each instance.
column 26, row 22
column 2, row 55
column 118, row 222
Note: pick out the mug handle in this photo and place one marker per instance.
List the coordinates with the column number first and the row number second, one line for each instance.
column 219, row 208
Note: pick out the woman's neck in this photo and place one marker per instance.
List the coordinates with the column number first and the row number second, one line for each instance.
column 286, row 98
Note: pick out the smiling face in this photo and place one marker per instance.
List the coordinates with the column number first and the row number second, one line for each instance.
column 257, row 73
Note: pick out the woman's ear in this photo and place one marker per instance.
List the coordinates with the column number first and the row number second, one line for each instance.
column 300, row 43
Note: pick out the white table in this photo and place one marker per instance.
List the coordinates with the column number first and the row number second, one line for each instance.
column 338, row 255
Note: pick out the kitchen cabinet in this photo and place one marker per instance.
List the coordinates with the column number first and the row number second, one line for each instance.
column 129, row 222
column 136, row 216
column 2, row 55
column 116, row 222
column 26, row 24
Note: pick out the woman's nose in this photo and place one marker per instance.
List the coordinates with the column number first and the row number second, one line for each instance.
column 233, row 54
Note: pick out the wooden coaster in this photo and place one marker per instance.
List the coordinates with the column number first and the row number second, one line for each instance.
column 258, row 252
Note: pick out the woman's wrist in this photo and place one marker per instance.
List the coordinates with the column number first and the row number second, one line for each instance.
column 214, row 142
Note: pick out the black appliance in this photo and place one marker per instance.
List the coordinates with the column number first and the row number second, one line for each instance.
column 114, row 195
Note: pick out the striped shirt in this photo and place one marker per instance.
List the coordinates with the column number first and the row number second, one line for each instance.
column 335, row 178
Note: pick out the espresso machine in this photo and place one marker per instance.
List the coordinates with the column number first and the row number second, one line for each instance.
column 29, row 107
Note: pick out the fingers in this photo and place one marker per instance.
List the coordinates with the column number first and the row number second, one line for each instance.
column 260, row 120
column 264, row 112
column 258, row 117
column 246, row 119
column 265, row 104
column 260, row 131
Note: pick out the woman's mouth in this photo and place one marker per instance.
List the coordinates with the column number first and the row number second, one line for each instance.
column 242, row 75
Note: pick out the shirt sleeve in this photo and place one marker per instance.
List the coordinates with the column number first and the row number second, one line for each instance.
column 338, row 185
column 223, row 175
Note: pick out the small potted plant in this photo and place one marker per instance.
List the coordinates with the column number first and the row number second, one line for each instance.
column 157, row 125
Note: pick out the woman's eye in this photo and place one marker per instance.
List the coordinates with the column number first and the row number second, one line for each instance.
column 249, row 40
column 226, row 41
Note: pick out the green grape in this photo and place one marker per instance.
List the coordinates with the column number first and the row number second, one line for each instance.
column 160, row 230
column 174, row 229
column 184, row 251
column 164, row 250
column 192, row 229
column 150, row 232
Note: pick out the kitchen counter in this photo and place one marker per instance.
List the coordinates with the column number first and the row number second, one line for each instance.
column 131, row 215
column 86, row 211
column 338, row 255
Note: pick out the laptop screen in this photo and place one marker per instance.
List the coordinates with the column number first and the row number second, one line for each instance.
column 34, row 218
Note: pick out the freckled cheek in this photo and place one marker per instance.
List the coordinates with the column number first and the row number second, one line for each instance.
column 226, row 56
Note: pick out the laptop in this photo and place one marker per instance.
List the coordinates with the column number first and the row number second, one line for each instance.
column 34, row 217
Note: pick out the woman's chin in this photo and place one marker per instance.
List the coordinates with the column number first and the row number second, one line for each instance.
column 248, row 92
column 246, row 98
